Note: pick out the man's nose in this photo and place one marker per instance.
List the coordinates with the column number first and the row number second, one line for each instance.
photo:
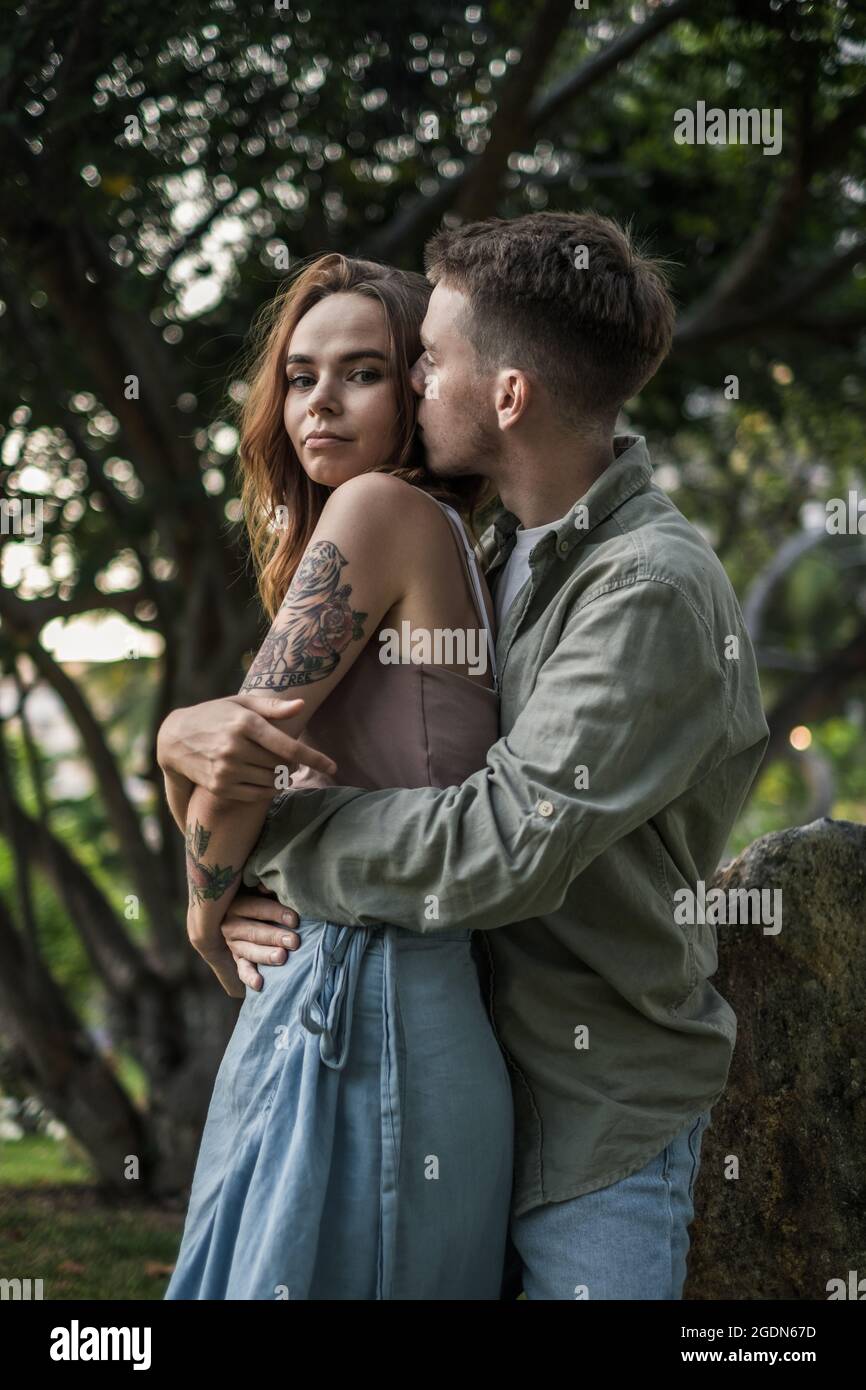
column 417, row 378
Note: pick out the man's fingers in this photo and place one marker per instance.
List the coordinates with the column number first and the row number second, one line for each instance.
column 248, row 975
column 258, row 942
column 239, row 930
column 242, row 948
column 262, row 909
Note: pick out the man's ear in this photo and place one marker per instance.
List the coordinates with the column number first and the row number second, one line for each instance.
column 513, row 396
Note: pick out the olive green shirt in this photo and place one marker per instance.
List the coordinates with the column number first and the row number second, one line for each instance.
column 631, row 731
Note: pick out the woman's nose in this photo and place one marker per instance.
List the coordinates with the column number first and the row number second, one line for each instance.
column 322, row 398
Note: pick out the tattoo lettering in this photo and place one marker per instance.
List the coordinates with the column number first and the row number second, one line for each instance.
column 205, row 881
column 314, row 625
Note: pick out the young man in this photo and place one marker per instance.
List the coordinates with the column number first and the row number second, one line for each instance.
column 631, row 731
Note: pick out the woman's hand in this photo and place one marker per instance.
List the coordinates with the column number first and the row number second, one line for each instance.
column 217, row 955
column 232, row 747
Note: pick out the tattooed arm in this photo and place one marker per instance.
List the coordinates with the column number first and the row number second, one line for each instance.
column 357, row 566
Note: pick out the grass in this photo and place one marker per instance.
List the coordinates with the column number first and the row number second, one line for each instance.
column 36, row 1159
column 84, row 1245
column 57, row 1225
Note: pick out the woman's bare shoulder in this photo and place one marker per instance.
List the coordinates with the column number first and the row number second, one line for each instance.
column 387, row 504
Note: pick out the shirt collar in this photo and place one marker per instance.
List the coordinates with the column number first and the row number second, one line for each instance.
column 630, row 471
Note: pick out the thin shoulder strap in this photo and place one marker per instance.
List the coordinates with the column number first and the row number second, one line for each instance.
column 474, row 575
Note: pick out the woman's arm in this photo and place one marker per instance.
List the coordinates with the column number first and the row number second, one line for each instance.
column 355, row 568
column 231, row 747
column 219, row 835
column 178, row 790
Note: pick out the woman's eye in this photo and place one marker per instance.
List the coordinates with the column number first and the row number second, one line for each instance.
column 367, row 375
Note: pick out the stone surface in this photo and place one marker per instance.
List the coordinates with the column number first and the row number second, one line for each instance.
column 794, row 1111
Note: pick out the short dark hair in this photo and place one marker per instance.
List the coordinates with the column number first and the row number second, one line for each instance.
column 595, row 335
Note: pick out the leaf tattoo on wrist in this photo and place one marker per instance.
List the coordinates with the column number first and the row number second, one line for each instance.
column 313, row 627
column 205, row 880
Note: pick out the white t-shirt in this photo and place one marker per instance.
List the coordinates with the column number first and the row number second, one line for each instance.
column 516, row 571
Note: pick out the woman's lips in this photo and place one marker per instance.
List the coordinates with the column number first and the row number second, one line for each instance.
column 325, row 442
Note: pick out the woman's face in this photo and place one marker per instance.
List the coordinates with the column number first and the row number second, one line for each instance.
column 341, row 404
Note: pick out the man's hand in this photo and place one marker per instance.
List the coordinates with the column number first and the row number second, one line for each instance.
column 231, row 747
column 257, row 928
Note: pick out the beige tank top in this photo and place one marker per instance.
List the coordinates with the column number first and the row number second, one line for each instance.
column 412, row 725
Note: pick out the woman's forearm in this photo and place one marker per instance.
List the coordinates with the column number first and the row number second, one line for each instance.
column 178, row 791
column 219, row 837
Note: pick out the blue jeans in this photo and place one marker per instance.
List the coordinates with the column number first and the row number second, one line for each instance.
column 626, row 1241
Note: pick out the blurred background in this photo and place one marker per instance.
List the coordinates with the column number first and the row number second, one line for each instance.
column 163, row 166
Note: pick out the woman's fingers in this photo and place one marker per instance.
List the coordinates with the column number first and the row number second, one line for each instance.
column 285, row 748
column 250, row 746
column 255, row 762
column 311, row 757
column 271, row 706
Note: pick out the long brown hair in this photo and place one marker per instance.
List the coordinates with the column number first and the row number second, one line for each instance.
column 269, row 470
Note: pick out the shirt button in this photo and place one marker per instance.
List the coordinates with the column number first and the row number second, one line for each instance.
column 563, row 547
column 545, row 808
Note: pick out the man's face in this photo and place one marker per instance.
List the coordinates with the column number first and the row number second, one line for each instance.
column 456, row 416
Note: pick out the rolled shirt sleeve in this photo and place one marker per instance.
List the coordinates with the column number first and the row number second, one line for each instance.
column 628, row 711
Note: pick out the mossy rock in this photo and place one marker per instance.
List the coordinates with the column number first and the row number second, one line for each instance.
column 794, row 1111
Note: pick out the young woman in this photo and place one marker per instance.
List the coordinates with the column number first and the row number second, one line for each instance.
column 358, row 1143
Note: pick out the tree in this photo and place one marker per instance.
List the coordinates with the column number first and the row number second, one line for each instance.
column 162, row 168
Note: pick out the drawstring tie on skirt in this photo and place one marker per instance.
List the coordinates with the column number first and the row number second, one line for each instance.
column 326, row 1011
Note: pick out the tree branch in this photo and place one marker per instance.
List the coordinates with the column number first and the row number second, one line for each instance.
column 27, row 617
column 780, row 311
column 721, row 302
column 817, row 695
column 578, row 82
column 115, row 958
column 73, row 1080
column 148, row 869
column 423, row 213
column 510, row 126
column 764, row 585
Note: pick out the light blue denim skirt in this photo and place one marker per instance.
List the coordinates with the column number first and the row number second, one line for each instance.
column 359, row 1139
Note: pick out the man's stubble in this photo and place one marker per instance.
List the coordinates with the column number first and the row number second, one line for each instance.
column 472, row 446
